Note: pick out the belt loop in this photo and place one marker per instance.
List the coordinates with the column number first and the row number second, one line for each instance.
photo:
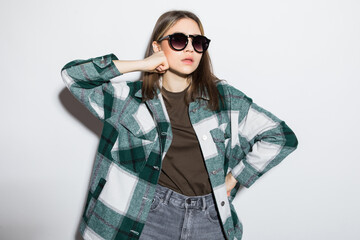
column 167, row 197
column 204, row 203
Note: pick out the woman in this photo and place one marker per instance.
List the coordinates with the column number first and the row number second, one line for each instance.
column 175, row 146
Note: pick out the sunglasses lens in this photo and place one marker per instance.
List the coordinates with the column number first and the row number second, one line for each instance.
column 178, row 41
column 200, row 43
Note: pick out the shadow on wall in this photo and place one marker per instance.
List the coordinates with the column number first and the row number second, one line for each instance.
column 83, row 115
column 78, row 236
column 80, row 112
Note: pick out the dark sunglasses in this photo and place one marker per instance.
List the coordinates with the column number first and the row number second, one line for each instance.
column 179, row 41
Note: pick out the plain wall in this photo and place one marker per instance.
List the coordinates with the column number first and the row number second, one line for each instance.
column 298, row 59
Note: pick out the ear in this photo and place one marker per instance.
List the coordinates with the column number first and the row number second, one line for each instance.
column 156, row 46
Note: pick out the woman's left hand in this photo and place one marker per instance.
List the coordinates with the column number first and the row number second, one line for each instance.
column 230, row 183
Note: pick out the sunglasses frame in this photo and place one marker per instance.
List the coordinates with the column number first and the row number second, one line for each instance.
column 171, row 36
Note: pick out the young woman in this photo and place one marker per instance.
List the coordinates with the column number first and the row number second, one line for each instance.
column 176, row 145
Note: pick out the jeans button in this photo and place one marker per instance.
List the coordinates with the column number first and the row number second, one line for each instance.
column 222, row 203
column 188, row 201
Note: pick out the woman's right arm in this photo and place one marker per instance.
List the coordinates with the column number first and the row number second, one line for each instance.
column 89, row 80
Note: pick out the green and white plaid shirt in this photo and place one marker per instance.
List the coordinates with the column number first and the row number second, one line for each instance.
column 241, row 137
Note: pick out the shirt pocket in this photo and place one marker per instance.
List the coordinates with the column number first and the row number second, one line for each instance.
column 132, row 151
column 220, row 139
column 136, row 139
column 220, row 136
column 92, row 199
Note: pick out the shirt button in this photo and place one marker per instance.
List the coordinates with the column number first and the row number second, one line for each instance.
column 222, row 203
column 213, row 172
column 156, row 167
column 163, row 133
column 204, row 137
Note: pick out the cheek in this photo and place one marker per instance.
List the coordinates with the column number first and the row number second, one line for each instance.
column 173, row 57
column 198, row 59
column 166, row 48
column 169, row 54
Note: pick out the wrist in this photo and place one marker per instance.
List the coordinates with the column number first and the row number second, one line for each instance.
column 143, row 65
column 125, row 66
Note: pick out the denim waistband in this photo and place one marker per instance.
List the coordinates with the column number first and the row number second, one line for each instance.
column 182, row 201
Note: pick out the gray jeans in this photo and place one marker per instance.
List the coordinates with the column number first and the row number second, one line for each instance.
column 174, row 216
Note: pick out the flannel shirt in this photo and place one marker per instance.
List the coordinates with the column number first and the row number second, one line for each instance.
column 240, row 137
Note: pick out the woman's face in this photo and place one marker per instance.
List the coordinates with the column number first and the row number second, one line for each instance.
column 186, row 61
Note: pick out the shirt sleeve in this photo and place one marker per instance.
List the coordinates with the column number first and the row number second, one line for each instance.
column 259, row 140
column 89, row 81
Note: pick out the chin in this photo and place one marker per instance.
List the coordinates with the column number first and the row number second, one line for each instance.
column 183, row 72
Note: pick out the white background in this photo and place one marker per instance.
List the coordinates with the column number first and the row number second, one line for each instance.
column 298, row 59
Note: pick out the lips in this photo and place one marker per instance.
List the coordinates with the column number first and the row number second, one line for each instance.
column 188, row 60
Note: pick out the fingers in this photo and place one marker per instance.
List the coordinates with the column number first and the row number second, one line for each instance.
column 160, row 69
column 163, row 67
column 166, row 64
column 157, row 62
column 230, row 183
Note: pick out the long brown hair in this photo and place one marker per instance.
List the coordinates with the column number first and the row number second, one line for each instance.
column 203, row 79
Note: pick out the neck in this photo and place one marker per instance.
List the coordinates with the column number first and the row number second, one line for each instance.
column 174, row 82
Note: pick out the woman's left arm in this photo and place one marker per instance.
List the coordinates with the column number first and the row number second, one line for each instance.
column 259, row 140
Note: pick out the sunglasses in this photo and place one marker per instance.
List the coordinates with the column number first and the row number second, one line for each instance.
column 179, row 41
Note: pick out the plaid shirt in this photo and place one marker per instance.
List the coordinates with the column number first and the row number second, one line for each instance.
column 241, row 137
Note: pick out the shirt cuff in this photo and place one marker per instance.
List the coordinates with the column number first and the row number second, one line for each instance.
column 245, row 175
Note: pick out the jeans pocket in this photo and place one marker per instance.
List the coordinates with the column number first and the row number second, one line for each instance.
column 155, row 204
column 212, row 214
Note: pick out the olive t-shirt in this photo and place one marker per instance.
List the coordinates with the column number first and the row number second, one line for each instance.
column 183, row 168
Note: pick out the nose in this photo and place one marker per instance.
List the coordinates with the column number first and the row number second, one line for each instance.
column 189, row 47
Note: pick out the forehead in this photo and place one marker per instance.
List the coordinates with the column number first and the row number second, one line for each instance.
column 184, row 25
